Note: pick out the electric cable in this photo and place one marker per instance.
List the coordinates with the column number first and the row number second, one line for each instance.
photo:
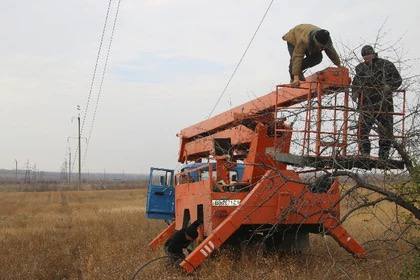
column 240, row 60
column 102, row 80
column 95, row 69
column 92, row 82
column 146, row 264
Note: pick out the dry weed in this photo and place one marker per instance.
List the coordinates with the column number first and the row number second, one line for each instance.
column 104, row 235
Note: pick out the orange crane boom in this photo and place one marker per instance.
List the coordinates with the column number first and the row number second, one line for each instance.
column 192, row 142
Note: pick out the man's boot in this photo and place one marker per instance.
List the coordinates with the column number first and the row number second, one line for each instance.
column 302, row 77
column 291, row 76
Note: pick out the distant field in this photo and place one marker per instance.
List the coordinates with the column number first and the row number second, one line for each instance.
column 89, row 186
column 103, row 234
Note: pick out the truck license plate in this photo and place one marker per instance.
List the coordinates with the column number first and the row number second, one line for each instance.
column 225, row 202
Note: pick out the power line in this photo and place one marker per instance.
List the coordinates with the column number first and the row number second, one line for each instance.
column 96, row 74
column 92, row 82
column 240, row 60
column 95, row 70
column 102, row 79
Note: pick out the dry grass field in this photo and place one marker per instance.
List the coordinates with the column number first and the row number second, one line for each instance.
column 103, row 234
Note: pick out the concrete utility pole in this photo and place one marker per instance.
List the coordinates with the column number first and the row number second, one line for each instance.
column 80, row 149
column 79, row 141
column 69, row 166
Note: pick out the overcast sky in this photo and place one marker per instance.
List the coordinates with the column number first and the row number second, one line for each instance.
column 169, row 62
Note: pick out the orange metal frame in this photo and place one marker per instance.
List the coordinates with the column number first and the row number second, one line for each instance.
column 262, row 107
column 335, row 132
column 275, row 194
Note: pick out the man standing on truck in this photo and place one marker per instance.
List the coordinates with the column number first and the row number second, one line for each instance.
column 179, row 241
column 372, row 88
column 305, row 43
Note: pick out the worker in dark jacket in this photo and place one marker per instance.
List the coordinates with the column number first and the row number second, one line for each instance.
column 305, row 43
column 180, row 240
column 372, row 88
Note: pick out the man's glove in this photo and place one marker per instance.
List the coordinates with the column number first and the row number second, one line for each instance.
column 355, row 95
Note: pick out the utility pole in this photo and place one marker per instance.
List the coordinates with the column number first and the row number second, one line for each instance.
column 69, row 166
column 80, row 149
column 78, row 138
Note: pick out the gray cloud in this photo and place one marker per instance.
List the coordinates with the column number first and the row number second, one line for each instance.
column 169, row 62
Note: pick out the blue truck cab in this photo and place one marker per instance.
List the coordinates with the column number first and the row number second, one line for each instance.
column 160, row 203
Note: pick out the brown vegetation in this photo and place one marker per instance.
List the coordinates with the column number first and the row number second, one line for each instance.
column 104, row 235
column 59, row 186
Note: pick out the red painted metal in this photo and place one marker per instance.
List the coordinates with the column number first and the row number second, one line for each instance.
column 346, row 121
column 204, row 146
column 328, row 79
column 268, row 200
column 318, row 120
column 274, row 195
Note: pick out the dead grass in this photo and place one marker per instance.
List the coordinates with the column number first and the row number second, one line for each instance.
column 104, row 235
column 85, row 186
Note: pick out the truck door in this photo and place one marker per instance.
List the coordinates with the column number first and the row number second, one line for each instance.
column 160, row 194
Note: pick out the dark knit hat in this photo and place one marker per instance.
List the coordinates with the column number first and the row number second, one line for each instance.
column 366, row 50
column 322, row 36
column 191, row 232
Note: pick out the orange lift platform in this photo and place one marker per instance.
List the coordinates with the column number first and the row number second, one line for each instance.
column 269, row 200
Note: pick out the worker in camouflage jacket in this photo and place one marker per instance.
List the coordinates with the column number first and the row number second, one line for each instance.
column 305, row 43
column 372, row 88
